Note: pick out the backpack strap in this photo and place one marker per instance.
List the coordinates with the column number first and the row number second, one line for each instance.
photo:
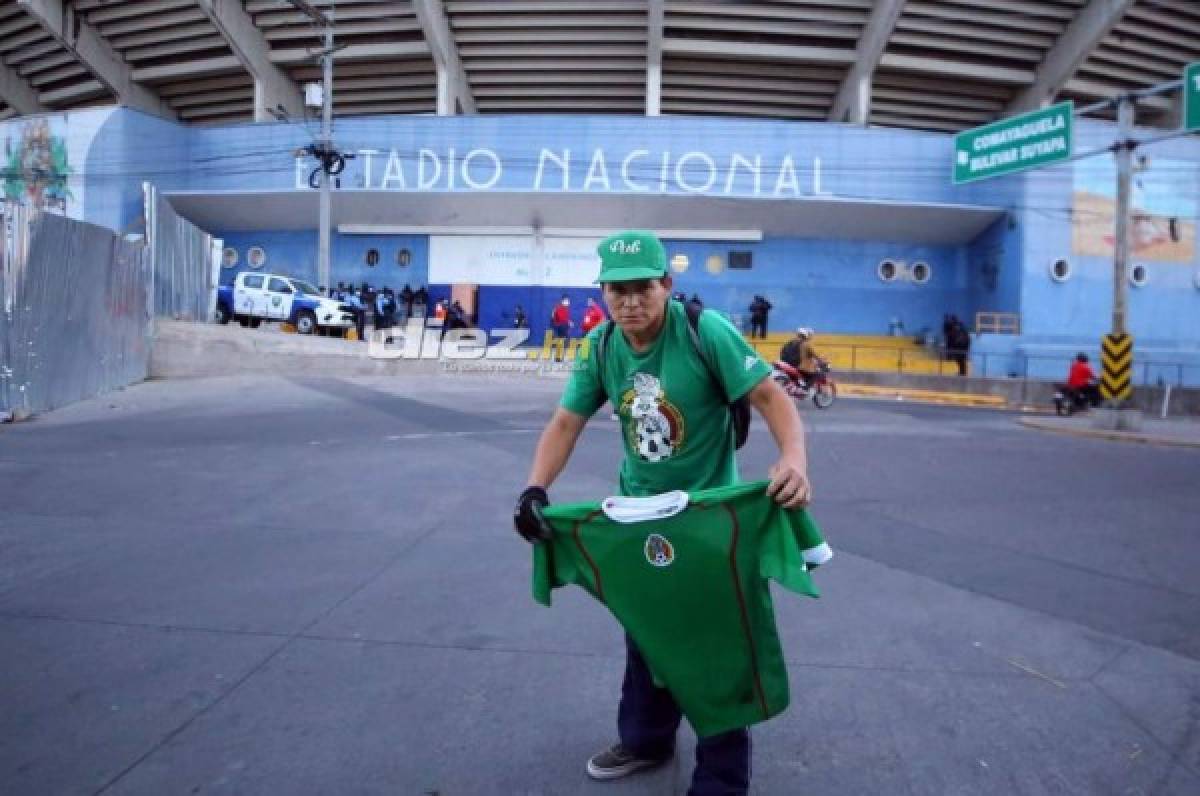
column 739, row 410
column 601, row 349
column 693, row 316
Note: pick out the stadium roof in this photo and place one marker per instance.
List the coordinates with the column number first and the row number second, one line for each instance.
column 943, row 65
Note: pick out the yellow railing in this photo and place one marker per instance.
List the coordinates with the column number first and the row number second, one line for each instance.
column 848, row 353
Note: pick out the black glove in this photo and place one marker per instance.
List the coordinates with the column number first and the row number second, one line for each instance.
column 527, row 517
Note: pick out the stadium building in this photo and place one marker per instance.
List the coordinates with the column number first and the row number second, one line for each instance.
column 803, row 151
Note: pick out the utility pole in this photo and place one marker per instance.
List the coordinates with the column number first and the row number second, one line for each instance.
column 323, row 264
column 324, row 148
column 1124, row 157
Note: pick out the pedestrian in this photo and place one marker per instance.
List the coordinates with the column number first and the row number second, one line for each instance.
column 560, row 323
column 696, row 303
column 382, row 311
column 360, row 314
column 649, row 371
column 759, row 310
column 520, row 319
column 960, row 345
column 406, row 301
column 457, row 316
column 593, row 316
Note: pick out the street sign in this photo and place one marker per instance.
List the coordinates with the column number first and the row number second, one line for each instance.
column 1032, row 139
column 1191, row 97
column 1116, row 356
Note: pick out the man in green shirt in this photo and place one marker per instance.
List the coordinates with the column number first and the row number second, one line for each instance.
column 678, row 435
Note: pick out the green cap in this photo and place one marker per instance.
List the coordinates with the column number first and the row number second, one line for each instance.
column 632, row 254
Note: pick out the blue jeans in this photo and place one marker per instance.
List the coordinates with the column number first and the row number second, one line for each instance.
column 648, row 718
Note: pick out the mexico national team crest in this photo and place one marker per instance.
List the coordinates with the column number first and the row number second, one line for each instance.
column 657, row 428
column 659, row 551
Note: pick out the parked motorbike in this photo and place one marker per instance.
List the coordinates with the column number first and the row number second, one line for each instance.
column 821, row 388
column 1068, row 401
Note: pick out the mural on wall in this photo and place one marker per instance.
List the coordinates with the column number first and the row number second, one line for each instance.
column 36, row 166
column 1164, row 210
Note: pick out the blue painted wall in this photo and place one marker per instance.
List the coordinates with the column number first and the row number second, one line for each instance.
column 132, row 148
column 507, row 153
column 830, row 285
column 1166, row 312
column 295, row 254
column 994, row 270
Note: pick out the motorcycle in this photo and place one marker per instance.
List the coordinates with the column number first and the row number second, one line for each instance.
column 1068, row 401
column 821, row 388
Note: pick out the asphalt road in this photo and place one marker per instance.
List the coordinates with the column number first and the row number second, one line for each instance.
column 311, row 587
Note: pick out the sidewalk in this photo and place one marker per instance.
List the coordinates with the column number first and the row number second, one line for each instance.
column 1179, row 432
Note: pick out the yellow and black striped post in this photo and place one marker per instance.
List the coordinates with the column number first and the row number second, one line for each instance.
column 1116, row 355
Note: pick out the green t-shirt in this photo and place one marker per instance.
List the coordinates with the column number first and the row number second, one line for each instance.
column 676, row 426
column 686, row 575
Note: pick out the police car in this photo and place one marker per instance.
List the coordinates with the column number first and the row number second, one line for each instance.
column 254, row 298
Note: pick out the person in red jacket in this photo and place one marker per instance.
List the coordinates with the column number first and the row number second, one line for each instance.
column 560, row 322
column 593, row 316
column 1082, row 379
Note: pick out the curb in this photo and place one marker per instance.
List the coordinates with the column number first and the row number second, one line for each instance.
column 1118, row 436
column 923, row 396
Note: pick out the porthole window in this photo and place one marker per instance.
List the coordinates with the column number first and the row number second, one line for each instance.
column 1060, row 270
column 679, row 263
column 256, row 257
column 229, row 257
column 403, row 258
column 715, row 264
column 888, row 270
column 372, row 257
column 921, row 273
column 1138, row 275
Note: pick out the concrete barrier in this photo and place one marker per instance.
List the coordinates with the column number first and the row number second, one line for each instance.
column 184, row 350
column 201, row 350
column 198, row 350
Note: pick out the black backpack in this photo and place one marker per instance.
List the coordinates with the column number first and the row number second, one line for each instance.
column 739, row 410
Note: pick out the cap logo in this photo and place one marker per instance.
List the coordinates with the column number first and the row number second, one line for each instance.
column 623, row 247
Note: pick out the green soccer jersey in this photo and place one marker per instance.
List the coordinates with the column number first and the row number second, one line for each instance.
column 677, row 430
column 686, row 575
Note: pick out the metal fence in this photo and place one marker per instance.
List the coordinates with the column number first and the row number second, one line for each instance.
column 75, row 317
column 186, row 262
column 1148, row 371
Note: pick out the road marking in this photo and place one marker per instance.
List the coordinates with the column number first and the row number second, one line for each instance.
column 433, row 434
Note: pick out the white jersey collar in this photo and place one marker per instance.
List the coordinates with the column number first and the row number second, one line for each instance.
column 640, row 509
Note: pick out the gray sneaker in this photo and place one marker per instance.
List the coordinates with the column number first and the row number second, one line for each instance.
column 618, row 762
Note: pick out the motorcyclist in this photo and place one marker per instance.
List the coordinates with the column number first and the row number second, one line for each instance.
column 1081, row 380
column 799, row 353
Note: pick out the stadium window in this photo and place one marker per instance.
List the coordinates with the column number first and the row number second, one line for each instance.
column 887, row 271
column 1060, row 270
column 1138, row 275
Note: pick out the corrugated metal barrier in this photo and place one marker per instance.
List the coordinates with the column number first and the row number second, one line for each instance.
column 186, row 262
column 75, row 316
